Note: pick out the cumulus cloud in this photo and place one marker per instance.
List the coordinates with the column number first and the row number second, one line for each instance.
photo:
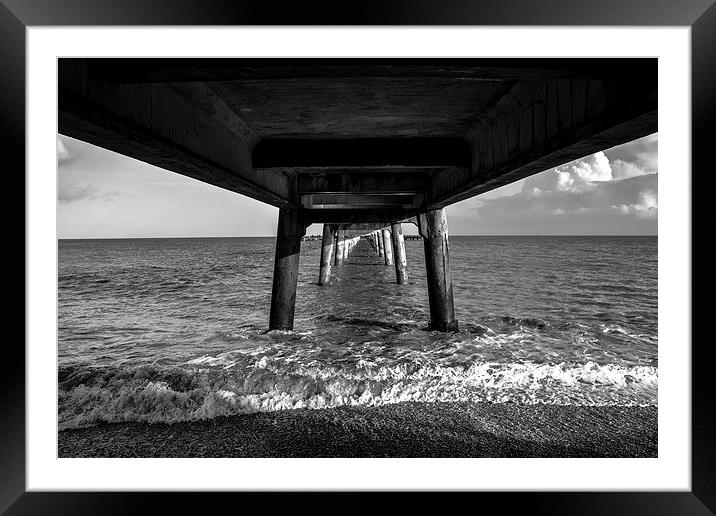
column 644, row 153
column 624, row 169
column 574, row 177
column 606, row 187
column 645, row 207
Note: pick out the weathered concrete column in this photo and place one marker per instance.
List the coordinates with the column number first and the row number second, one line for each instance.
column 375, row 243
column 346, row 246
column 434, row 230
column 327, row 245
column 401, row 261
column 291, row 228
column 387, row 248
column 379, row 238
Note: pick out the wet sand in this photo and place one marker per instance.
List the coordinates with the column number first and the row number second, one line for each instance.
column 400, row 430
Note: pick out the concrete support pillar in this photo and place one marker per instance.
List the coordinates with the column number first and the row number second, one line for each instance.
column 327, row 246
column 339, row 246
column 346, row 247
column 291, row 228
column 379, row 238
column 375, row 243
column 434, row 230
column 387, row 248
column 401, row 261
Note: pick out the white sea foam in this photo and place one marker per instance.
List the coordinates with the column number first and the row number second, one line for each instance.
column 273, row 383
column 615, row 328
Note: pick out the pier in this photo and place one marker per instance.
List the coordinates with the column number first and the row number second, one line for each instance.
column 362, row 146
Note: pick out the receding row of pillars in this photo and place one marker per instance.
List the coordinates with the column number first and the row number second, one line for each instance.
column 390, row 245
column 387, row 243
column 335, row 248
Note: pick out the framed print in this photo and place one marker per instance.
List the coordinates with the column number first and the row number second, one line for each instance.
column 174, row 341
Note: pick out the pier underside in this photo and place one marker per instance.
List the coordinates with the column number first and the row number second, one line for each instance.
column 360, row 145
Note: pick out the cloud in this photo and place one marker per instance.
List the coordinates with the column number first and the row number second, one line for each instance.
column 574, row 177
column 640, row 155
column 646, row 206
column 595, row 191
column 72, row 192
column 624, row 169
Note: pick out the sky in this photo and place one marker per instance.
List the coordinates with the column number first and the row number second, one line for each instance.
column 101, row 194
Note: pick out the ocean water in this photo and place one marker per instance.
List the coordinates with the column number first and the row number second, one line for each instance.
column 163, row 330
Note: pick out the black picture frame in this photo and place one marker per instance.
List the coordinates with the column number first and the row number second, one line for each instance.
column 17, row 15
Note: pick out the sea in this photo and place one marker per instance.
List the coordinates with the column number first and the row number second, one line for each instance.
column 176, row 329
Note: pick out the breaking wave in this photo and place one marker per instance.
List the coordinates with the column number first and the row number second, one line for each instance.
column 210, row 386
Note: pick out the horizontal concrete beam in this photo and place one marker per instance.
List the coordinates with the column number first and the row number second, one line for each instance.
column 362, row 227
column 365, row 180
column 543, row 124
column 360, row 216
column 342, row 201
column 190, row 130
column 366, row 228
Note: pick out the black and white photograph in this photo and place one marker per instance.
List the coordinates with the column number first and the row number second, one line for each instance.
column 357, row 257
column 392, row 246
